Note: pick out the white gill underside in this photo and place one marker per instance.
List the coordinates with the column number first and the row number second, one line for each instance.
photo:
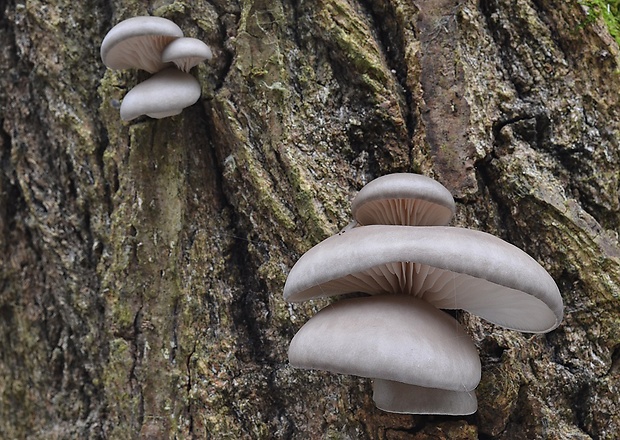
column 147, row 55
column 444, row 289
column 185, row 64
column 406, row 212
column 439, row 287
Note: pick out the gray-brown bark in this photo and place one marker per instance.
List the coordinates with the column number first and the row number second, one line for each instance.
column 143, row 262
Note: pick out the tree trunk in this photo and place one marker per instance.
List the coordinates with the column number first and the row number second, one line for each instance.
column 143, row 263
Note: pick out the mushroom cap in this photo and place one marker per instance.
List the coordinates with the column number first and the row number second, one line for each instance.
column 393, row 337
column 186, row 52
column 403, row 398
column 451, row 268
column 164, row 94
column 138, row 42
column 403, row 199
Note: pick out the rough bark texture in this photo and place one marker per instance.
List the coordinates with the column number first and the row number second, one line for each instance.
column 143, row 262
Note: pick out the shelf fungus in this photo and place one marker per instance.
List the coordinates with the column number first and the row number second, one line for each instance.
column 439, row 266
column 156, row 45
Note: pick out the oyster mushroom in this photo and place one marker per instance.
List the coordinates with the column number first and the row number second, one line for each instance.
column 403, row 398
column 164, row 94
column 403, row 199
column 138, row 43
column 402, row 342
column 186, row 53
column 439, row 266
column 451, row 268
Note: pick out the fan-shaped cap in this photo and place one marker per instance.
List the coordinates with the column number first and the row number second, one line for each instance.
column 451, row 268
column 186, row 52
column 403, row 199
column 138, row 43
column 403, row 398
column 164, row 94
column 393, row 337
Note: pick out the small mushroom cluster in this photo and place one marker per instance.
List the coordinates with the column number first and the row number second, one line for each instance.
column 400, row 252
column 156, row 45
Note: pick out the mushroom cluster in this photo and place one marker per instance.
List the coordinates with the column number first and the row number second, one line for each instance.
column 401, row 253
column 156, row 45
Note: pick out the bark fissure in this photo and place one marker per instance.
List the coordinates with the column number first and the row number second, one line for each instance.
column 143, row 263
column 392, row 33
column 446, row 113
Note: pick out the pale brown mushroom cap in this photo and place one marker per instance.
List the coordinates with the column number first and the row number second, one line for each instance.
column 451, row 268
column 138, row 43
column 393, row 337
column 186, row 53
column 404, row 398
column 164, row 94
column 403, row 199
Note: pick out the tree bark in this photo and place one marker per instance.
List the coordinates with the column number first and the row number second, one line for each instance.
column 143, row 262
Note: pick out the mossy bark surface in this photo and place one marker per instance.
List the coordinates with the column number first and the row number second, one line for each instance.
column 142, row 263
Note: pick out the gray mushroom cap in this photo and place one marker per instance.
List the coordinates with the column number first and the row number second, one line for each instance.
column 451, row 268
column 403, row 199
column 404, row 398
column 186, row 52
column 164, row 94
column 138, row 43
column 394, row 337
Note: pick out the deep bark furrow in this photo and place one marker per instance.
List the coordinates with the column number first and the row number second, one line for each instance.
column 143, row 262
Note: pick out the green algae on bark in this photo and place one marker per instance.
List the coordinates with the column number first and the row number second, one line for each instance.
column 142, row 292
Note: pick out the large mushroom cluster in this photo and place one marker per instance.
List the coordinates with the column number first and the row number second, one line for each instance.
column 156, row 45
column 401, row 253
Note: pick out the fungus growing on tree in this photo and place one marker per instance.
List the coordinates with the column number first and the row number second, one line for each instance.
column 447, row 267
column 137, row 43
column 403, row 199
column 186, row 53
column 154, row 44
column 450, row 268
column 401, row 342
column 164, row 94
